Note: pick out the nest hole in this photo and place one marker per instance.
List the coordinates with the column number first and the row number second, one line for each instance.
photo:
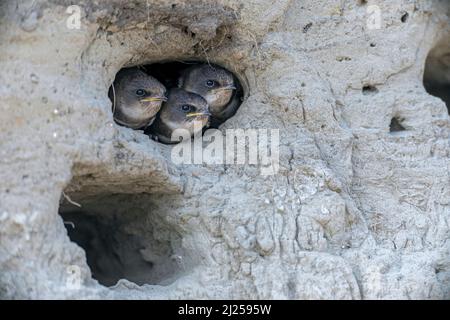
column 369, row 89
column 125, row 237
column 168, row 73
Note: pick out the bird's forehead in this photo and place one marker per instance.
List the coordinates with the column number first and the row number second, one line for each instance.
column 146, row 82
column 199, row 103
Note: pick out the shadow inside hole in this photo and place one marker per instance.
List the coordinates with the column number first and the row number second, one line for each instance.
column 436, row 79
column 124, row 241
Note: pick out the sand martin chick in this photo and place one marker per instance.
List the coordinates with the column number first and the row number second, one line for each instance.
column 216, row 85
column 180, row 111
column 137, row 98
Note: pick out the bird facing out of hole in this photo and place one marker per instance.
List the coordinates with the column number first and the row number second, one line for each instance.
column 181, row 111
column 216, row 85
column 137, row 98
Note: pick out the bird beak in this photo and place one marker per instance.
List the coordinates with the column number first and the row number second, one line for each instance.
column 151, row 99
column 198, row 114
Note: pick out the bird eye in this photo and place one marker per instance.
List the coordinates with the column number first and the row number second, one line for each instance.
column 140, row 92
column 186, row 107
column 210, row 83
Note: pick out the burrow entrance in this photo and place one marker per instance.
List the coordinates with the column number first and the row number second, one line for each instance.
column 126, row 237
column 129, row 236
column 437, row 72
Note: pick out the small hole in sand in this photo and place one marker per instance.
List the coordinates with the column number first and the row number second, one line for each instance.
column 125, row 237
column 220, row 91
column 436, row 78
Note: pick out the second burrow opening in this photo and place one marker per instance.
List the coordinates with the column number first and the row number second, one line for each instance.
column 162, row 97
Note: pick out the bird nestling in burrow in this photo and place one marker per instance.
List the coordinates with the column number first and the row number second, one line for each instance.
column 137, row 97
column 217, row 86
column 181, row 111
